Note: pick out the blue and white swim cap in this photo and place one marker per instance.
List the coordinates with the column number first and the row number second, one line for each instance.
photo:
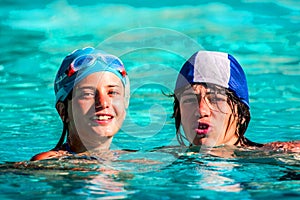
column 83, row 62
column 217, row 68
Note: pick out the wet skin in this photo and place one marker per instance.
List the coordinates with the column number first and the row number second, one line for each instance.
column 94, row 115
column 97, row 110
column 203, row 125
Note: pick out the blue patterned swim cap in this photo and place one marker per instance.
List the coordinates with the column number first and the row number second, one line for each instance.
column 217, row 68
column 83, row 62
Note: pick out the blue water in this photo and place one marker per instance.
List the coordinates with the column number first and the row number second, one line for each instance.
column 153, row 39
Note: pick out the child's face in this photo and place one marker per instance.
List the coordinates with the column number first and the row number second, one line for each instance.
column 206, row 117
column 97, row 108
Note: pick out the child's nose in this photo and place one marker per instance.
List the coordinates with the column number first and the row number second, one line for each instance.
column 204, row 109
column 102, row 101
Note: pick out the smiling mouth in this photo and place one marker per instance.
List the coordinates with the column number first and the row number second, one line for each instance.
column 102, row 117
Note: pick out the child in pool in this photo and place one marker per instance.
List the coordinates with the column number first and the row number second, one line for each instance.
column 211, row 103
column 92, row 95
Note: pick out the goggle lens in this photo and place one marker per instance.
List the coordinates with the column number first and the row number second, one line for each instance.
column 85, row 61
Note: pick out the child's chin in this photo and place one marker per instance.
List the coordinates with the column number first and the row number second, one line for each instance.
column 206, row 142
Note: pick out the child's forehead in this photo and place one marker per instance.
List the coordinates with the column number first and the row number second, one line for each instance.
column 201, row 88
column 208, row 88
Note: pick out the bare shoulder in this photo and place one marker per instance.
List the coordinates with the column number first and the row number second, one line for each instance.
column 291, row 146
column 49, row 154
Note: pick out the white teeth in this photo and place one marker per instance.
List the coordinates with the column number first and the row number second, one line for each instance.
column 104, row 117
column 203, row 127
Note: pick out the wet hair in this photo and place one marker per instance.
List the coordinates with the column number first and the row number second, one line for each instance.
column 241, row 111
column 65, row 130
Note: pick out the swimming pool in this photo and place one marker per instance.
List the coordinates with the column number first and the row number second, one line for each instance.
column 153, row 40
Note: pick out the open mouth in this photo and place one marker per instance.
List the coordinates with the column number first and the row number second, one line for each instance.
column 203, row 126
column 202, row 129
column 102, row 118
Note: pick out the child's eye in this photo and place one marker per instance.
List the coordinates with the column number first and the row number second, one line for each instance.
column 189, row 100
column 216, row 98
column 221, row 98
column 113, row 92
column 87, row 94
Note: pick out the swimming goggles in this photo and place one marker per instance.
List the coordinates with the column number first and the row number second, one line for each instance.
column 89, row 60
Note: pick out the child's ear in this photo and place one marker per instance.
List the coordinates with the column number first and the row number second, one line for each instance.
column 127, row 93
column 62, row 111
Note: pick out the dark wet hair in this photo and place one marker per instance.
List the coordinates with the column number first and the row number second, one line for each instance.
column 242, row 112
column 65, row 130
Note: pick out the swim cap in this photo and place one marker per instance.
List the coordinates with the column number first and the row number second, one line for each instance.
column 83, row 62
column 217, row 68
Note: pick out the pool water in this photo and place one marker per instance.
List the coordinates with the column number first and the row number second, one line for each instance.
column 153, row 39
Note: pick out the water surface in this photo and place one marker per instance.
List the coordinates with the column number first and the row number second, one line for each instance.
column 153, row 39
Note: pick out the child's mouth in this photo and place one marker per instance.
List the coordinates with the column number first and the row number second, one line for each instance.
column 102, row 118
column 203, row 129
